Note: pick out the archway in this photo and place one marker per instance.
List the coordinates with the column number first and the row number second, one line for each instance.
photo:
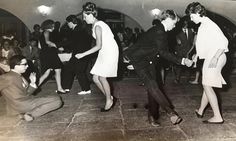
column 13, row 25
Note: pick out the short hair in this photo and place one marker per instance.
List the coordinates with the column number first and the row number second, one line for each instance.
column 6, row 40
column 57, row 24
column 47, row 24
column 36, row 26
column 72, row 18
column 194, row 8
column 168, row 14
column 90, row 8
column 184, row 21
column 15, row 60
column 155, row 22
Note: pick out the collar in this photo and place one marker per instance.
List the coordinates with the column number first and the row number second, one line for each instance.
column 165, row 28
column 15, row 71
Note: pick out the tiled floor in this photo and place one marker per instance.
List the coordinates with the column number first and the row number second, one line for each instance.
column 80, row 118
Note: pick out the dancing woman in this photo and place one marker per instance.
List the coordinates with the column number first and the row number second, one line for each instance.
column 107, row 61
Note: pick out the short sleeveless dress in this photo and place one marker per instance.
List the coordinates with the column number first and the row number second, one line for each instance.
column 209, row 40
column 48, row 56
column 106, row 64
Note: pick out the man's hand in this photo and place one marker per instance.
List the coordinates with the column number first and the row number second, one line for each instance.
column 130, row 67
column 188, row 62
column 61, row 49
column 79, row 55
column 126, row 60
column 32, row 77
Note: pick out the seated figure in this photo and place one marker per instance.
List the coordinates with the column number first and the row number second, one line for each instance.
column 18, row 92
column 4, row 67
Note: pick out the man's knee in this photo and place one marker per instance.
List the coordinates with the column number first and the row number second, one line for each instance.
column 58, row 103
column 58, row 100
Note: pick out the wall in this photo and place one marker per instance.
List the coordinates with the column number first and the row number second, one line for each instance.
column 26, row 10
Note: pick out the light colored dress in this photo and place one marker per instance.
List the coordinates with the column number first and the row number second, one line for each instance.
column 106, row 64
column 210, row 38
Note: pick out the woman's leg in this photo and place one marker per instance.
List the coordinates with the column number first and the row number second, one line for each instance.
column 107, row 90
column 204, row 103
column 212, row 98
column 44, row 76
column 58, row 80
column 98, row 83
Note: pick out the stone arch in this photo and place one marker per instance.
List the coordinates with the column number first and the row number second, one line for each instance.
column 11, row 23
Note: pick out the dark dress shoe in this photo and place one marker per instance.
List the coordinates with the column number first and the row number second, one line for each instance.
column 60, row 92
column 198, row 115
column 113, row 104
column 175, row 119
column 209, row 122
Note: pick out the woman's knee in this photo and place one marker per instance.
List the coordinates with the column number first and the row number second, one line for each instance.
column 58, row 70
column 102, row 79
column 95, row 79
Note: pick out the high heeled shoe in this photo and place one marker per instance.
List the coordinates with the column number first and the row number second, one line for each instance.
column 60, row 92
column 198, row 115
column 212, row 122
column 113, row 104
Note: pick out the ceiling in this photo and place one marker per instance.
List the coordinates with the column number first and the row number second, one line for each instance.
column 139, row 10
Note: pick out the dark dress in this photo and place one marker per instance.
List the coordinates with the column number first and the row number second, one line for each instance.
column 48, row 56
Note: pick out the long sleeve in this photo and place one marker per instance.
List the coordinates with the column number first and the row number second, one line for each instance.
column 4, row 83
column 30, row 90
column 162, row 48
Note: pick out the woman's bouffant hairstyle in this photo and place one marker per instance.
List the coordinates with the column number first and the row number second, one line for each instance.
column 47, row 24
column 194, row 8
column 168, row 14
column 90, row 8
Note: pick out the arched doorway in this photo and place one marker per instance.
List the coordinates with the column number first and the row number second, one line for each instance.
column 13, row 25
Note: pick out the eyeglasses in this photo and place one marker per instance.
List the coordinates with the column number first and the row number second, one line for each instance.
column 25, row 64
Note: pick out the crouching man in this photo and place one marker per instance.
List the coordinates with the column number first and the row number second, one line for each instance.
column 18, row 92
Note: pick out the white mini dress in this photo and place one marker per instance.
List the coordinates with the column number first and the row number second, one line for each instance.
column 106, row 64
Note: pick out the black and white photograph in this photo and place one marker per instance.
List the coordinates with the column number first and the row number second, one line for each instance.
column 117, row 70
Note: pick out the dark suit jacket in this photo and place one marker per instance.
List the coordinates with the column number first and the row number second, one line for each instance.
column 184, row 44
column 16, row 92
column 80, row 40
column 152, row 43
column 32, row 54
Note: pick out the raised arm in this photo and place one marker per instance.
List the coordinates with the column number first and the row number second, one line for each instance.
column 32, row 86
